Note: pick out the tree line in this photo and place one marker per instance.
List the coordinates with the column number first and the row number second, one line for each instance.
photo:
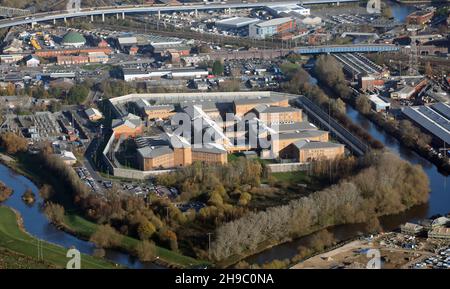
column 328, row 71
column 388, row 186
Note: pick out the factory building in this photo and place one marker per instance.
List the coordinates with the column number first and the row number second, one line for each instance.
column 235, row 23
column 378, row 104
column 271, row 27
column 435, row 120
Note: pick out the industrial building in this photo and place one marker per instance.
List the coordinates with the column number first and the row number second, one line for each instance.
column 419, row 17
column 432, row 120
column 235, row 23
column 378, row 104
column 271, row 27
column 289, row 10
column 132, row 74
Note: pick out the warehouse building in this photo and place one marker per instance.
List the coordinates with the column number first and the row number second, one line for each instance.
column 289, row 10
column 432, row 122
column 271, row 27
column 235, row 23
column 378, row 104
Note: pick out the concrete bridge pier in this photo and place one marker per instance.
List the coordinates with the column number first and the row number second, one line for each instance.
column 159, row 14
column 123, row 15
column 196, row 13
column 65, row 20
column 92, row 18
column 103, row 17
column 117, row 16
column 54, row 21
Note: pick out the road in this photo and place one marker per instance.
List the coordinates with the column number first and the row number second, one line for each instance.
column 54, row 15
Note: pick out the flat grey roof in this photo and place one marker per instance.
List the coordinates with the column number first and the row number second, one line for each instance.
column 237, row 22
column 278, row 109
column 431, row 121
column 149, row 152
column 442, row 108
column 303, row 134
column 304, row 125
column 316, row 145
column 260, row 100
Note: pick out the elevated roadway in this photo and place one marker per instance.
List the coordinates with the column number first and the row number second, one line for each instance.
column 122, row 10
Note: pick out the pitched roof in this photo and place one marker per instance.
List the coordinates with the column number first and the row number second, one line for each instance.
column 153, row 152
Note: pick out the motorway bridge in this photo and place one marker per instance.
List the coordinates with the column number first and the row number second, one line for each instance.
column 362, row 48
column 316, row 114
column 122, row 10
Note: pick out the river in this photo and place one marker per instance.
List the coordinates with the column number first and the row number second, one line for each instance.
column 439, row 202
column 37, row 224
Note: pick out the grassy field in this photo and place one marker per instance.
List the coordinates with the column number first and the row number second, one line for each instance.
column 16, row 240
column 13, row 260
column 85, row 229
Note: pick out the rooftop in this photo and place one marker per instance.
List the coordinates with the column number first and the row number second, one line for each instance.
column 302, row 144
column 274, row 22
column 154, row 152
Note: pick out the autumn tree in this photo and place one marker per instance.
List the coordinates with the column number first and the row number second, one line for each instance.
column 146, row 251
column 55, row 213
column 363, row 104
column 146, row 229
column 106, row 237
column 244, row 199
column 13, row 143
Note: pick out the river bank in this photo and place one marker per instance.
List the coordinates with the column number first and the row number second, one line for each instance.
column 77, row 230
column 14, row 237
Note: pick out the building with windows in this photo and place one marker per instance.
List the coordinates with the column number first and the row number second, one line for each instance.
column 32, row 61
column 278, row 114
column 71, row 59
column 93, row 114
column 307, row 151
column 129, row 126
column 419, row 17
column 271, row 27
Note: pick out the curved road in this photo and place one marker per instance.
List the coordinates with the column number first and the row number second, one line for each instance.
column 54, row 15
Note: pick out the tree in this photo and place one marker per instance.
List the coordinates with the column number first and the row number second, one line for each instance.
column 13, row 143
column 77, row 94
column 5, row 192
column 45, row 192
column 106, row 237
column 146, row 229
column 215, row 199
column 55, row 213
column 363, row 104
column 146, row 251
column 217, row 68
column 244, row 199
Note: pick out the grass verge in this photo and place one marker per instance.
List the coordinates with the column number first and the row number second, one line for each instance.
column 15, row 239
